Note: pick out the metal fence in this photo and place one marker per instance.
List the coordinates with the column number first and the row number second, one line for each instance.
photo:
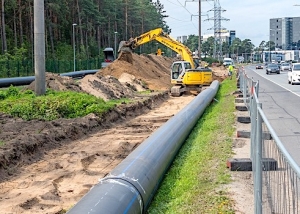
column 276, row 175
column 22, row 68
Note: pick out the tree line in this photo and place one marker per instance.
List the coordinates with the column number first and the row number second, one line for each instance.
column 95, row 23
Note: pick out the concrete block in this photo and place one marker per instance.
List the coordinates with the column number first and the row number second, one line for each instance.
column 241, row 119
column 241, row 108
column 239, row 164
column 237, row 92
column 245, row 164
column 243, row 134
column 247, row 134
column 239, row 100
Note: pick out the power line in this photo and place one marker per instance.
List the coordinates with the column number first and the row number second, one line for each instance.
column 217, row 28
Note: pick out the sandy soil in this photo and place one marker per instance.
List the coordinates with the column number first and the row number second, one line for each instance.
column 46, row 167
column 66, row 173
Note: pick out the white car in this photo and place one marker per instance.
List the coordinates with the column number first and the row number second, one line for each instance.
column 285, row 66
column 294, row 74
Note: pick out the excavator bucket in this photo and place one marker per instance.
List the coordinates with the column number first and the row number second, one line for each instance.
column 125, row 52
column 125, row 46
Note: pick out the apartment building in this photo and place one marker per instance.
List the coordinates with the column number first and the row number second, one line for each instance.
column 285, row 33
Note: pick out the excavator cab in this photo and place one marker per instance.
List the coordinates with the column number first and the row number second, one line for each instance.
column 178, row 70
column 185, row 78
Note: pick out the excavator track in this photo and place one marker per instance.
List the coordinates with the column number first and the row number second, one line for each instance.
column 177, row 90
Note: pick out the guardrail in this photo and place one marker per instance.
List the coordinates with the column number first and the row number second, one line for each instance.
column 276, row 175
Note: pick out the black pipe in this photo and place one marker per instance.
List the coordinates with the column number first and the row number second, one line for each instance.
column 130, row 187
column 17, row 81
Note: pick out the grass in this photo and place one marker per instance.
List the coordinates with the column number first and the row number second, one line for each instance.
column 53, row 105
column 196, row 181
column 1, row 143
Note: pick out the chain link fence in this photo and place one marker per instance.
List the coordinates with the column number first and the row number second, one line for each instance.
column 14, row 68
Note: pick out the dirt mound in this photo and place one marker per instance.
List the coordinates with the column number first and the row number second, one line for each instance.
column 126, row 57
column 153, row 70
column 219, row 72
column 58, row 83
column 105, row 87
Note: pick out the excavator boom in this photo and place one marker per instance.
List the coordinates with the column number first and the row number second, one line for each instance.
column 163, row 38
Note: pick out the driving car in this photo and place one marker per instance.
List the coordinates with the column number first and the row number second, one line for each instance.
column 294, row 74
column 285, row 66
column 259, row 66
column 272, row 68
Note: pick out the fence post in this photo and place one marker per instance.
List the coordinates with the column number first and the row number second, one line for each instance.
column 7, row 68
column 253, row 116
column 18, row 68
column 257, row 88
column 258, row 163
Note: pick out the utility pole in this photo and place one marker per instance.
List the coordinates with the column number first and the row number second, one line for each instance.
column 74, row 47
column 39, row 47
column 199, row 40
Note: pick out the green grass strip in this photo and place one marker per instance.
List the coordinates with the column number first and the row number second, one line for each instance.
column 53, row 105
column 196, row 180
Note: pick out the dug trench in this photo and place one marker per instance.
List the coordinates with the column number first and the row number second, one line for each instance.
column 46, row 167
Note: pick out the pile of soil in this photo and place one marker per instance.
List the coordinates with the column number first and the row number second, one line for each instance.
column 153, row 70
column 58, row 83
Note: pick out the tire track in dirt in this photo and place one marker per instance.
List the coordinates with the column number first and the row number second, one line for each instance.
column 65, row 174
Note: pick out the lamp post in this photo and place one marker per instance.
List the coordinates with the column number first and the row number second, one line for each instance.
column 116, row 44
column 73, row 25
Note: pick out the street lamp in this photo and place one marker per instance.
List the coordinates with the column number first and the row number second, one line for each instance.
column 73, row 25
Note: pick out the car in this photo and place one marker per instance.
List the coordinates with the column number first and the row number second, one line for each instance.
column 294, row 74
column 285, row 66
column 227, row 61
column 272, row 68
column 259, row 66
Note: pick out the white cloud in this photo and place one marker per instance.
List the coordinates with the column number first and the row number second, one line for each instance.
column 250, row 19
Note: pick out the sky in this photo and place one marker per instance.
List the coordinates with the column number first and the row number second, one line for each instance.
column 249, row 18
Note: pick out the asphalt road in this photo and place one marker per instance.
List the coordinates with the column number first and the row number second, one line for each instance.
column 281, row 105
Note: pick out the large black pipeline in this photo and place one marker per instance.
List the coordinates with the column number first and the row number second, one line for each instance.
column 16, row 81
column 130, row 187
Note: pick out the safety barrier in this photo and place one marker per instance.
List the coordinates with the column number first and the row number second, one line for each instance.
column 276, row 175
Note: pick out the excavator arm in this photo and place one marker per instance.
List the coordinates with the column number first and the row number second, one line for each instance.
column 163, row 38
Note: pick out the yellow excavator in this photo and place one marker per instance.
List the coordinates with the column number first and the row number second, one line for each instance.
column 185, row 74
